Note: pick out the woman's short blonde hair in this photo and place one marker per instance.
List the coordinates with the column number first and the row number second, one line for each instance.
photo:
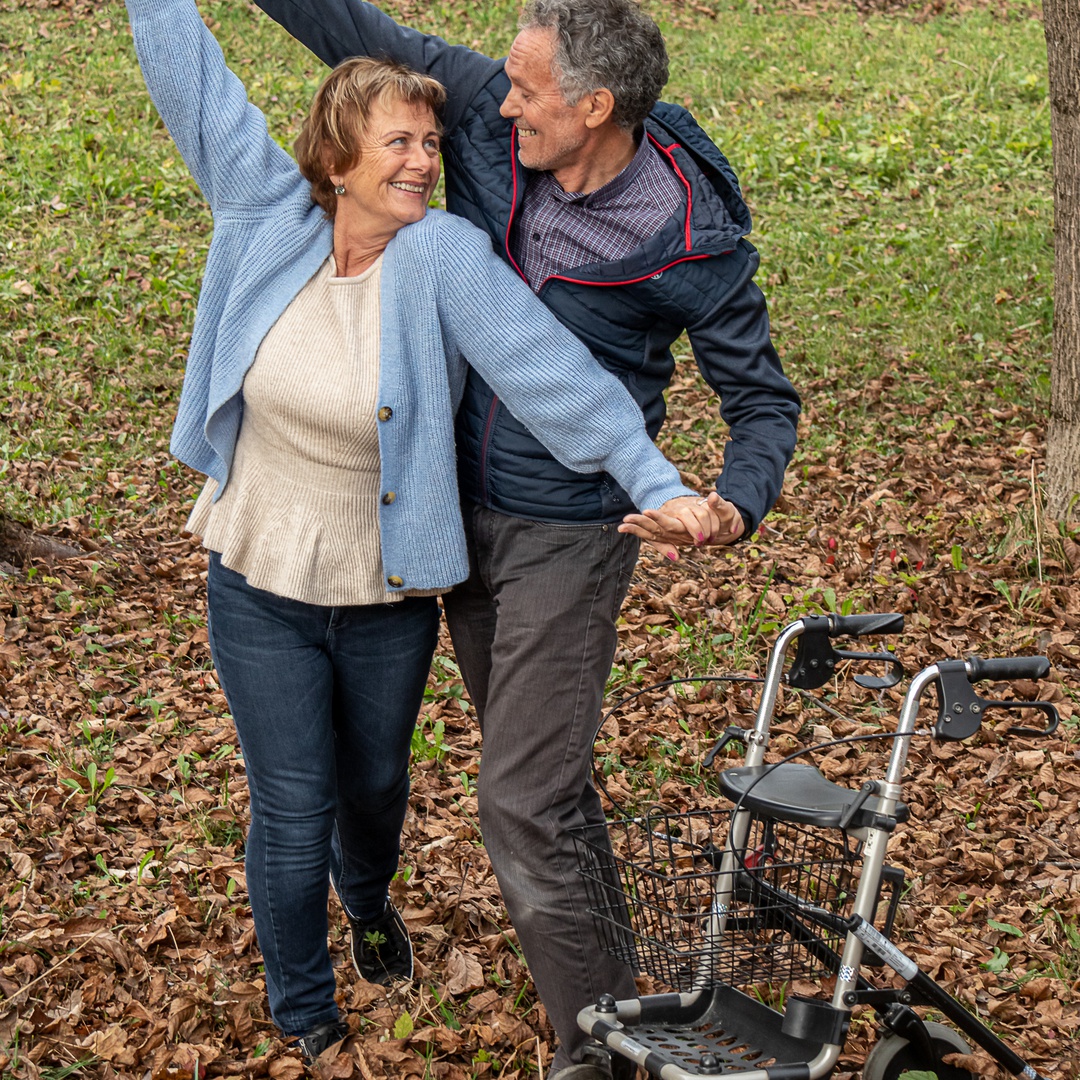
column 333, row 132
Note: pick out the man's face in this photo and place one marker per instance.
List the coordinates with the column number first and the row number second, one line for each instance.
column 550, row 132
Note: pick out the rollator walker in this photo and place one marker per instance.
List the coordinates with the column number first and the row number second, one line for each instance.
column 729, row 907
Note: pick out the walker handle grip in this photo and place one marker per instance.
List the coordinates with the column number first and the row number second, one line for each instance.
column 1003, row 668
column 815, row 659
column 860, row 625
column 961, row 710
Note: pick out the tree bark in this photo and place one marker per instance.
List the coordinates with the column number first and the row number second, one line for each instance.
column 19, row 544
column 1061, row 19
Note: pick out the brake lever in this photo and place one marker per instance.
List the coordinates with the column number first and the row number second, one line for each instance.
column 960, row 709
column 1043, row 707
column 815, row 662
column 875, row 682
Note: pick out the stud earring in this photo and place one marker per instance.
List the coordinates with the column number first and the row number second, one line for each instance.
column 339, row 189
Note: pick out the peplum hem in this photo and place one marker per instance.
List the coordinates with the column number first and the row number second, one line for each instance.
column 316, row 543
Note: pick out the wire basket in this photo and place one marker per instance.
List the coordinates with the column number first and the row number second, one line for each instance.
column 664, row 903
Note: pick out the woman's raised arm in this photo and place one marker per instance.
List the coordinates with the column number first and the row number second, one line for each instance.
column 221, row 136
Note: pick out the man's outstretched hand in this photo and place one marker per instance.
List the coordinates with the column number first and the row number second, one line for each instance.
column 687, row 521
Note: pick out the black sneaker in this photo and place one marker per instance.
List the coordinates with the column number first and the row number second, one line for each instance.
column 381, row 949
column 320, row 1038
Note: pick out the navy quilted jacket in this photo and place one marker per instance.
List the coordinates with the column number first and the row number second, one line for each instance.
column 696, row 275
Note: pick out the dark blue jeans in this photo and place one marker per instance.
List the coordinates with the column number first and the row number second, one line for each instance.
column 325, row 700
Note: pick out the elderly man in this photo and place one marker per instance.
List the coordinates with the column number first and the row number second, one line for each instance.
column 628, row 222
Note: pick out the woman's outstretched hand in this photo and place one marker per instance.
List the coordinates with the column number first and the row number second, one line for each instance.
column 687, row 521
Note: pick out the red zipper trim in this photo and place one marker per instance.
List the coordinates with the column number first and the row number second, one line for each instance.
column 630, row 281
column 666, row 151
column 489, row 423
column 513, row 204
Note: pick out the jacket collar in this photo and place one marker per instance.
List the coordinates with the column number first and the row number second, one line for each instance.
column 716, row 216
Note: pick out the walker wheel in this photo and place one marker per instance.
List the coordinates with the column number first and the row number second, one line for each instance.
column 894, row 1058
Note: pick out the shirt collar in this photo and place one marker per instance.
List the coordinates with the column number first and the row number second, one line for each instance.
column 612, row 189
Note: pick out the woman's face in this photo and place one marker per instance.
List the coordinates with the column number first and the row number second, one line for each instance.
column 390, row 185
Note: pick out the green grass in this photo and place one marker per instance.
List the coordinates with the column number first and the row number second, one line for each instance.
column 899, row 172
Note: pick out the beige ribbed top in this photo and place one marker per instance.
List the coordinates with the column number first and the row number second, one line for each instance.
column 299, row 516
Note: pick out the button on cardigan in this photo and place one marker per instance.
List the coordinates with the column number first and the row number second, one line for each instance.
column 299, row 516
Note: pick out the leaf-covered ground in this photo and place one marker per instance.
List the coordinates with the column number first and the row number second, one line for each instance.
column 126, row 942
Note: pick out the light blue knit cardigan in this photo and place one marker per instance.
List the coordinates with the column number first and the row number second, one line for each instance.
column 446, row 299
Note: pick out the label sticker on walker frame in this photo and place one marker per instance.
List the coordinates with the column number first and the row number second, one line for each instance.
column 883, row 947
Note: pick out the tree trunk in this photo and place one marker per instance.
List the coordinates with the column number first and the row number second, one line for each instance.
column 1062, row 25
column 19, row 544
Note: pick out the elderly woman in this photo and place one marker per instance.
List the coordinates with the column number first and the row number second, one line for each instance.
column 326, row 362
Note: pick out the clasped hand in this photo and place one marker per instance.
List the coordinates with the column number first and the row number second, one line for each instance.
column 687, row 521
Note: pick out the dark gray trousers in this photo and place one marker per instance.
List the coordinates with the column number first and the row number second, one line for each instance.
column 534, row 633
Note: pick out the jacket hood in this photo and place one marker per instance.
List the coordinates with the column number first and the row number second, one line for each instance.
column 717, row 206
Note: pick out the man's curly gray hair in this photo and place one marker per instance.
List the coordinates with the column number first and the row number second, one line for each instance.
column 604, row 43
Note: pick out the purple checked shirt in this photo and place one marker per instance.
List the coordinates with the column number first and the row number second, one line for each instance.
column 560, row 230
